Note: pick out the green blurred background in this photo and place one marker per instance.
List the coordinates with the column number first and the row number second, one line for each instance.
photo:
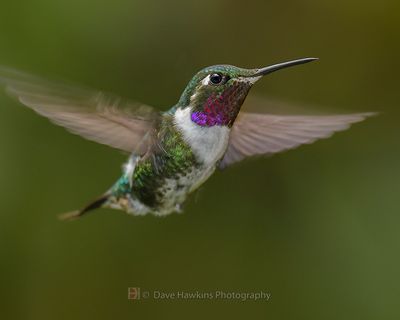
column 317, row 227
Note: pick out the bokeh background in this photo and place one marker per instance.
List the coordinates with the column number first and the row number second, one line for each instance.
column 317, row 227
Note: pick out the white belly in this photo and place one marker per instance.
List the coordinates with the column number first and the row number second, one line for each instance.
column 175, row 191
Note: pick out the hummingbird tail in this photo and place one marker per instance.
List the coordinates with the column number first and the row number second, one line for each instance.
column 91, row 206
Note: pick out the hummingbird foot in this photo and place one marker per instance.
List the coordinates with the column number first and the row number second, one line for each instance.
column 178, row 208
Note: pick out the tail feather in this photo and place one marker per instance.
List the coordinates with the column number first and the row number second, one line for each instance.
column 91, row 206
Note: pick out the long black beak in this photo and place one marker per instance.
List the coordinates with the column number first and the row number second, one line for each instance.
column 275, row 67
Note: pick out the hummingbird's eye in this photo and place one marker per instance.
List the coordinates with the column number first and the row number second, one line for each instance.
column 216, row 78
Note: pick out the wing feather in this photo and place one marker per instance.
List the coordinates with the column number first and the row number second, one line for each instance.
column 94, row 115
column 263, row 134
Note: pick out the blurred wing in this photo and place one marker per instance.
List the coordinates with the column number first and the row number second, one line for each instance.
column 263, row 134
column 93, row 115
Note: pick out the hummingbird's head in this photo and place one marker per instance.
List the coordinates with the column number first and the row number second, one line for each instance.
column 215, row 94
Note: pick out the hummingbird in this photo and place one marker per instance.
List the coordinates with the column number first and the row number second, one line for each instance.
column 172, row 153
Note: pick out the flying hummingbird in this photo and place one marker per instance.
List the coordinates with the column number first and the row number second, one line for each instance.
column 172, row 153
